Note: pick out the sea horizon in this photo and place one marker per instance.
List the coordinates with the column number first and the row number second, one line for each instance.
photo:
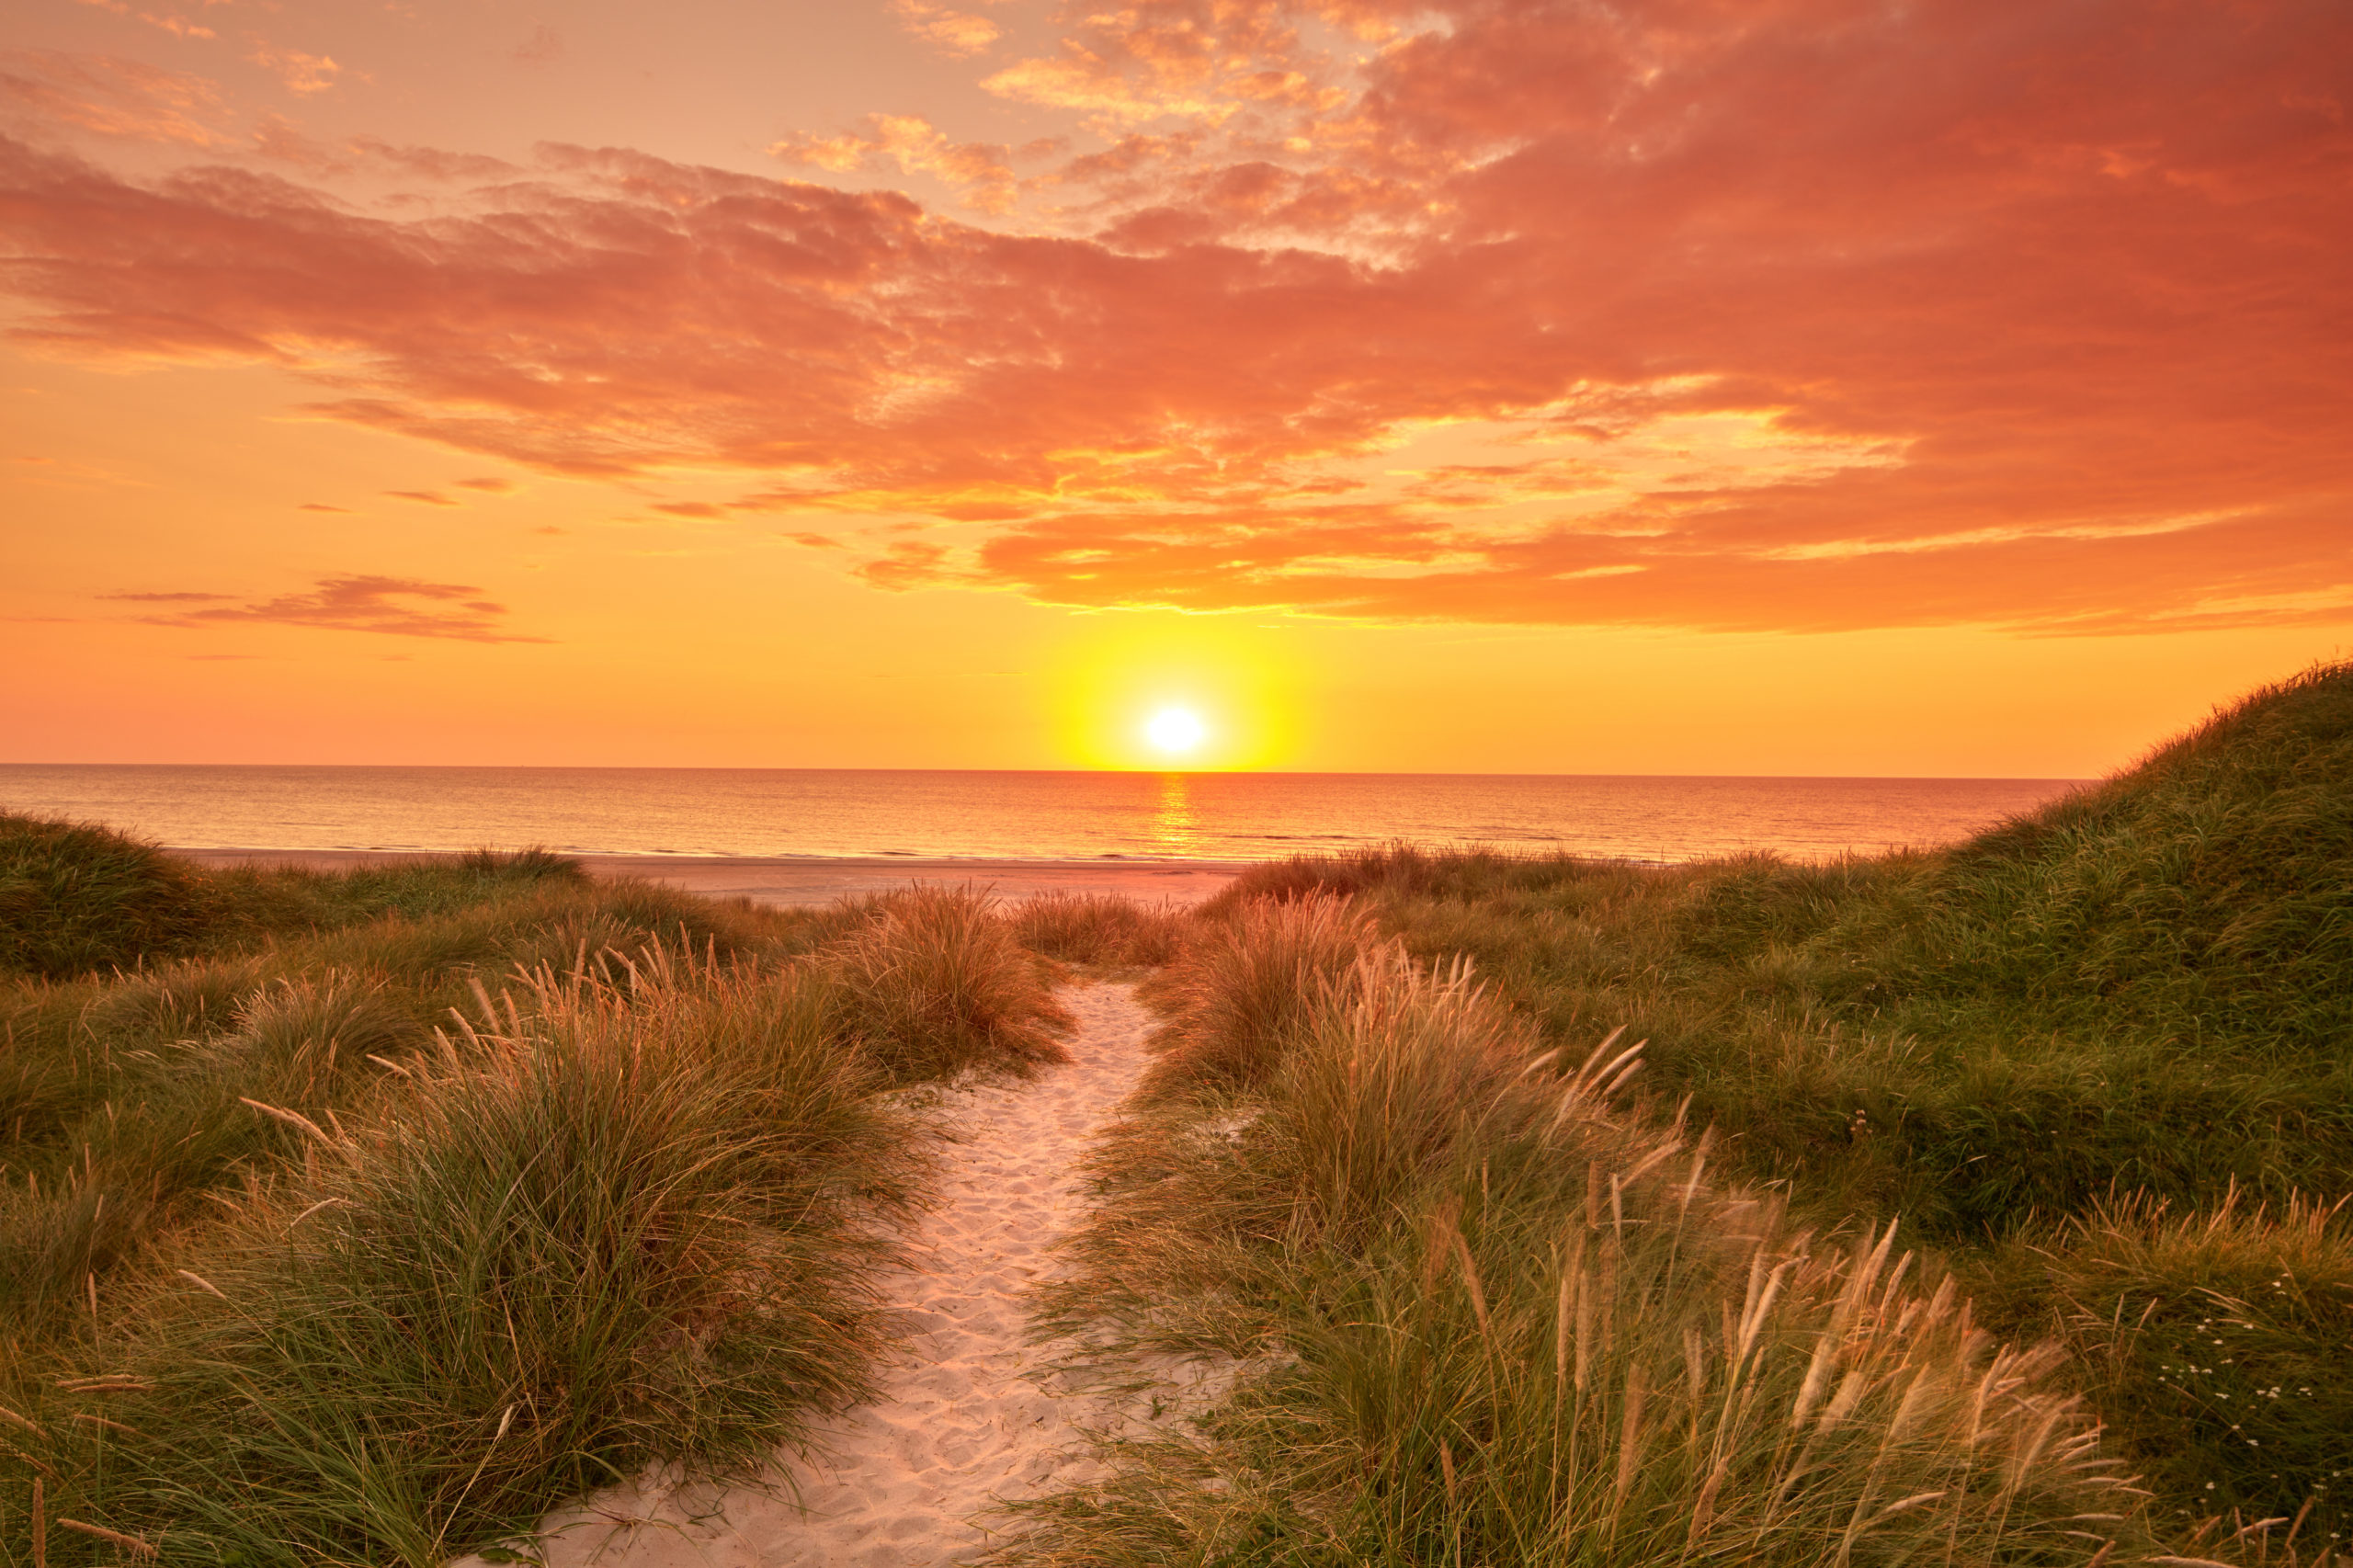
column 1045, row 814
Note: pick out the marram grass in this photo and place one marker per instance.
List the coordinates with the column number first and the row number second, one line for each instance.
column 1100, row 930
column 2137, row 999
column 370, row 1240
column 1488, row 1318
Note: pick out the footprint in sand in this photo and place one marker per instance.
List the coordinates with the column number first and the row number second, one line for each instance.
column 963, row 1420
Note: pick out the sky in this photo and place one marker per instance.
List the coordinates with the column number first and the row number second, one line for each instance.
column 1811, row 387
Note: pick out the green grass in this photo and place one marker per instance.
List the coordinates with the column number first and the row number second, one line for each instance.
column 75, row 897
column 2218, row 1342
column 929, row 981
column 2140, row 996
column 629, row 1226
column 382, row 1212
column 1485, row 1315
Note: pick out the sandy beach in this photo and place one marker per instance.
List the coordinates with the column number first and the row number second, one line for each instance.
column 970, row 1413
column 807, row 879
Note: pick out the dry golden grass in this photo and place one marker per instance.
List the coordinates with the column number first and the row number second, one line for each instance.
column 1101, row 930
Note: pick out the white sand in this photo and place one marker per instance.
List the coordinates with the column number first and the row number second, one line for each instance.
column 966, row 1416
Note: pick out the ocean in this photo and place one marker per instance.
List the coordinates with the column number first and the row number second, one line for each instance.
column 1020, row 816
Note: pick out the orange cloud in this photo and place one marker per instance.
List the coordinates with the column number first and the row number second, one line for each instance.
column 1819, row 317
column 111, row 96
column 398, row 607
column 302, row 75
column 913, row 145
column 953, row 31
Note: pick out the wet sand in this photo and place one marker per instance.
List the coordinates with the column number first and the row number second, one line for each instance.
column 807, row 879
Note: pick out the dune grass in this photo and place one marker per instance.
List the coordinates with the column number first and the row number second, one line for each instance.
column 2136, row 1003
column 122, row 1098
column 2146, row 986
column 75, row 897
column 383, row 1212
column 932, row 981
column 1099, row 930
column 1486, row 1315
column 611, row 1228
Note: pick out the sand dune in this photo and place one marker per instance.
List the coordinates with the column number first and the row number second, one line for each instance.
column 969, row 1414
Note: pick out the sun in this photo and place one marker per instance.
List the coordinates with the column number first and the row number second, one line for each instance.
column 1176, row 730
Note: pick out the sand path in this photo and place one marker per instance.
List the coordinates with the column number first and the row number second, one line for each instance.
column 966, row 1416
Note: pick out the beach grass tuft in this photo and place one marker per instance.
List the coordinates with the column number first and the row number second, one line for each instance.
column 1099, row 930
column 1486, row 1312
column 2134, row 1002
column 931, row 982
column 75, row 897
column 1241, row 983
column 401, row 1206
column 606, row 1228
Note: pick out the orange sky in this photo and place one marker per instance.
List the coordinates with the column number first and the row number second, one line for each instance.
column 1794, row 386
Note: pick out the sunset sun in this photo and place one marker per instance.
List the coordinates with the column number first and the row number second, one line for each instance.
column 1175, row 730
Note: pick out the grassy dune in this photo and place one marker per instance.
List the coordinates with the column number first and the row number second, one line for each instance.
column 1495, row 1316
column 2099, row 1061
column 362, row 1218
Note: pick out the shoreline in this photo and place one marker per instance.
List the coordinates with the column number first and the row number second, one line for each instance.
column 791, row 880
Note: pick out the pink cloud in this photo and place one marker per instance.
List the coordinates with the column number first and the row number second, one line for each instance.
column 301, row 75
column 947, row 29
column 111, row 96
column 912, row 145
column 1808, row 316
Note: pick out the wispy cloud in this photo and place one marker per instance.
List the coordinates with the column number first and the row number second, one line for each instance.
column 398, row 607
column 112, row 96
column 301, row 75
column 953, row 31
column 912, row 145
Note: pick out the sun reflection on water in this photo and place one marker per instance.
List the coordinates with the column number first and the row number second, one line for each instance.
column 1173, row 830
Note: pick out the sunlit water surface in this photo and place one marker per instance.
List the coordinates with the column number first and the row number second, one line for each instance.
column 1229, row 816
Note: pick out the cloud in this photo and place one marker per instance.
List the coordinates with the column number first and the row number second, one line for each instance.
column 174, row 24
column 399, row 606
column 953, row 32
column 1809, row 317
column 111, row 96
column 690, row 509
column 912, row 145
column 322, row 506
column 422, row 497
column 301, row 75
column 489, row 485
column 432, row 163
